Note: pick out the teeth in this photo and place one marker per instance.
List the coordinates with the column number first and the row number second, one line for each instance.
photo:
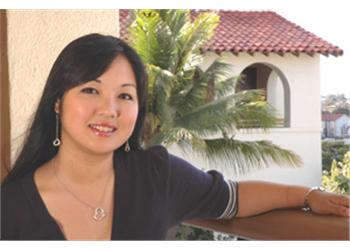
column 102, row 128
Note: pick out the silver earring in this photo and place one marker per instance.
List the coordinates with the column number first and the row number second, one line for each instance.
column 57, row 140
column 127, row 147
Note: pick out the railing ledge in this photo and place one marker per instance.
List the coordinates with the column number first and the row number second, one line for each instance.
column 283, row 224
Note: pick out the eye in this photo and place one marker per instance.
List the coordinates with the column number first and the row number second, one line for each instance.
column 126, row 96
column 89, row 91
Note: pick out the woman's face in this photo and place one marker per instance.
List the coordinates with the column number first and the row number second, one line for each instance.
column 99, row 116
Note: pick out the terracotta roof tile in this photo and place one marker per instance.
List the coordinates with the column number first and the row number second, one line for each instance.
column 257, row 31
column 331, row 117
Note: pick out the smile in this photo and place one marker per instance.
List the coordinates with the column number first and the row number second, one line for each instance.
column 102, row 130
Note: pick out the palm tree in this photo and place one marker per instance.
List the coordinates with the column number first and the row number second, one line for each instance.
column 195, row 108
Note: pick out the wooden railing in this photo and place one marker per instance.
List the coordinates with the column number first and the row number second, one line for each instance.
column 286, row 224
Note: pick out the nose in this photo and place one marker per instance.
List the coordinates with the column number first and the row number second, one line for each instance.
column 109, row 108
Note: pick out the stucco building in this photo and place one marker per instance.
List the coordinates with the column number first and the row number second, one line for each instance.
column 274, row 53
column 282, row 58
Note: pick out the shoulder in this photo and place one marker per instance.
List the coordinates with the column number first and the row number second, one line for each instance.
column 159, row 157
column 159, row 153
column 151, row 164
column 155, row 151
column 153, row 156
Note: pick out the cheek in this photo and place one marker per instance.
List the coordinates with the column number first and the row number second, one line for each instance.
column 130, row 116
column 76, row 112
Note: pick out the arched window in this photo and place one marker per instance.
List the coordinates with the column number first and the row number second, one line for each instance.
column 271, row 79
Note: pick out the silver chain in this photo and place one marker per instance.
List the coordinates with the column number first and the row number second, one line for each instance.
column 96, row 209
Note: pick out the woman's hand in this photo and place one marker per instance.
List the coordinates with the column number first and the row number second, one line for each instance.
column 329, row 203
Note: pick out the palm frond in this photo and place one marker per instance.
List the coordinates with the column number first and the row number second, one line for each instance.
column 225, row 87
column 189, row 106
column 161, row 84
column 228, row 114
column 214, row 81
column 191, row 97
column 178, row 135
column 143, row 35
column 245, row 156
column 176, row 20
column 217, row 71
column 194, row 37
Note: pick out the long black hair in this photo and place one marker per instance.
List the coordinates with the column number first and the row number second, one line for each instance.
column 82, row 60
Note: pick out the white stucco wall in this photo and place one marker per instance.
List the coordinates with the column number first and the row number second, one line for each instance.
column 302, row 73
column 304, row 134
column 276, row 94
column 344, row 120
column 330, row 128
column 35, row 38
column 334, row 128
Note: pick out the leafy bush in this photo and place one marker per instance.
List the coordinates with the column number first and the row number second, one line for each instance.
column 338, row 178
column 332, row 150
column 185, row 232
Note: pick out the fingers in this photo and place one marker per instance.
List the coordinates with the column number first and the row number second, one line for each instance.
column 330, row 203
column 345, row 200
column 341, row 200
column 339, row 210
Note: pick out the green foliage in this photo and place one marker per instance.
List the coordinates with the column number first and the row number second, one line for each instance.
column 185, row 232
column 338, row 178
column 193, row 233
column 341, row 110
column 336, row 104
column 332, row 150
column 196, row 108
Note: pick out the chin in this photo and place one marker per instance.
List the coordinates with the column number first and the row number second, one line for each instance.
column 102, row 150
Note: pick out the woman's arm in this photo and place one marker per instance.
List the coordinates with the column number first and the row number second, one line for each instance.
column 255, row 197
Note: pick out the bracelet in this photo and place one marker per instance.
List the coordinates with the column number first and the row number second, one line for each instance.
column 307, row 207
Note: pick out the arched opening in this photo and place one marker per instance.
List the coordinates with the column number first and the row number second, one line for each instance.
column 271, row 79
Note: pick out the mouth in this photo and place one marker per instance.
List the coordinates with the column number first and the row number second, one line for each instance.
column 103, row 130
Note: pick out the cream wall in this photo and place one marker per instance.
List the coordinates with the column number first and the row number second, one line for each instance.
column 304, row 135
column 303, row 76
column 35, row 38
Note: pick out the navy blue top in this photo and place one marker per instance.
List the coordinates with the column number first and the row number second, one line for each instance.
column 154, row 191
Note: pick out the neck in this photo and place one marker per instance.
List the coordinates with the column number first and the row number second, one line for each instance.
column 81, row 167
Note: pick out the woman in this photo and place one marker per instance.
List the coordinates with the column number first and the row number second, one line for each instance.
column 82, row 173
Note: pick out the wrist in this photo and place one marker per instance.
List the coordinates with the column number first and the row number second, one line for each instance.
column 307, row 206
column 295, row 196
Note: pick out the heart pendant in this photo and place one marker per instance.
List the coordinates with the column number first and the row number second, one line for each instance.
column 99, row 214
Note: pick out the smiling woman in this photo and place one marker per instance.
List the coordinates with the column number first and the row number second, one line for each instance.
column 92, row 109
column 100, row 115
column 82, row 173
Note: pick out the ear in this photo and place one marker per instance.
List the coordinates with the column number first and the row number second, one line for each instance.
column 57, row 106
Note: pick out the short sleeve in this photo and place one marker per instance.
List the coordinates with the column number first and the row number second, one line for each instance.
column 195, row 194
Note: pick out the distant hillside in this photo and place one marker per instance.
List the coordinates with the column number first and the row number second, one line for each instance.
column 335, row 104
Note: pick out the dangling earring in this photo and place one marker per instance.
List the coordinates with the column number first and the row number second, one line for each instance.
column 57, row 140
column 127, row 147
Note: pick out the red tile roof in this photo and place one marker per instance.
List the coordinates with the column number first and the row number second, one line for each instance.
column 257, row 31
column 331, row 117
column 124, row 21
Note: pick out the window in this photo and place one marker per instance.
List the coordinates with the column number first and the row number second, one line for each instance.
column 274, row 83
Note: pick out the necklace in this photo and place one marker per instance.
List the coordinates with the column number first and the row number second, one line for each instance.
column 98, row 212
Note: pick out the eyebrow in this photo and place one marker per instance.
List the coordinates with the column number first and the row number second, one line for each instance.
column 123, row 85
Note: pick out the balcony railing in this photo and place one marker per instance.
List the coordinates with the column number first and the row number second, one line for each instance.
column 284, row 224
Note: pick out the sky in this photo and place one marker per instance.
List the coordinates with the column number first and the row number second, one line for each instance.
column 328, row 19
